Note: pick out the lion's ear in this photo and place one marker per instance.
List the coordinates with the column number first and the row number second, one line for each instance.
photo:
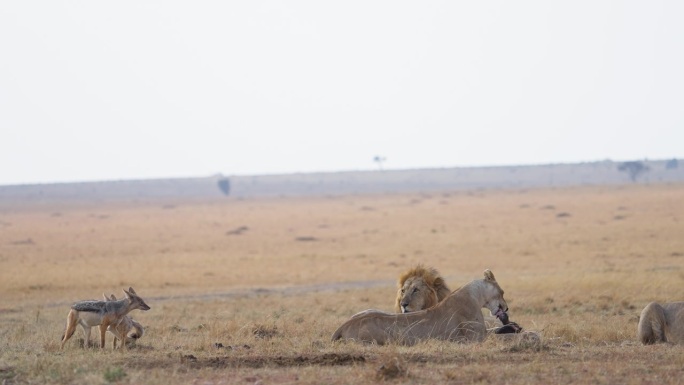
column 489, row 276
column 432, row 298
column 439, row 283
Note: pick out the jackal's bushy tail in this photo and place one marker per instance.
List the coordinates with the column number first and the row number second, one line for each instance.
column 138, row 330
column 72, row 321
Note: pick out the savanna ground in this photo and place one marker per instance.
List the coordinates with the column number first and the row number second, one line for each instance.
column 250, row 291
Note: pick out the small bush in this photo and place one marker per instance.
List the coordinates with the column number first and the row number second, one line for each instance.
column 114, row 374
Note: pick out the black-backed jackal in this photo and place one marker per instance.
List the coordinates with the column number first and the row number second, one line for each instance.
column 122, row 329
column 101, row 313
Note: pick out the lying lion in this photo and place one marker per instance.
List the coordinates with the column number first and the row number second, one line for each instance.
column 420, row 288
column 661, row 323
column 457, row 318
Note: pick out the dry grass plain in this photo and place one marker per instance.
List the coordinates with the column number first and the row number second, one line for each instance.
column 250, row 291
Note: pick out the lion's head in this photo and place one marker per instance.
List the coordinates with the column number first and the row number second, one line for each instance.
column 495, row 301
column 420, row 288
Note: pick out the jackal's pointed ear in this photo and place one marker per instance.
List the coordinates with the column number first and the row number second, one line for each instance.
column 489, row 276
column 128, row 294
column 130, row 290
column 112, row 297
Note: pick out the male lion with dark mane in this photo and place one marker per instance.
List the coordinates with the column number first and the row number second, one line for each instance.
column 457, row 318
column 420, row 288
column 661, row 323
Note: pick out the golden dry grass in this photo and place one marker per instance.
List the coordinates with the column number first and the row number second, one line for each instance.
column 249, row 291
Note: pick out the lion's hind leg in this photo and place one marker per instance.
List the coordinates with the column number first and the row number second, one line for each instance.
column 652, row 324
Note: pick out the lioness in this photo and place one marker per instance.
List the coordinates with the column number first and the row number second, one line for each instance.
column 457, row 318
column 661, row 323
column 420, row 288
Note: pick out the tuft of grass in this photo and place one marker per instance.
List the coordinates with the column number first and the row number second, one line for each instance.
column 7, row 374
column 265, row 332
column 525, row 342
column 391, row 367
column 114, row 374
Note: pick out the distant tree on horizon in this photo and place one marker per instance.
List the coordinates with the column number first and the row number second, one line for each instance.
column 224, row 186
column 379, row 160
column 672, row 164
column 634, row 169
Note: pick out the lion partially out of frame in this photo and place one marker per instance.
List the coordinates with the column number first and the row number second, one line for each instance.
column 661, row 323
column 420, row 288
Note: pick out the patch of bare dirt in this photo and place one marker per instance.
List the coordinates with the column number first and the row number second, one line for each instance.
column 190, row 361
column 327, row 359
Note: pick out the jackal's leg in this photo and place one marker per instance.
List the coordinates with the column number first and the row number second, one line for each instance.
column 72, row 321
column 103, row 331
column 86, row 335
column 123, row 339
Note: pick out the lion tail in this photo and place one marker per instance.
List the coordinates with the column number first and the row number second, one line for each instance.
column 652, row 324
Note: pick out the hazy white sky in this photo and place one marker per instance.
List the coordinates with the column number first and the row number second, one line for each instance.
column 100, row 90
